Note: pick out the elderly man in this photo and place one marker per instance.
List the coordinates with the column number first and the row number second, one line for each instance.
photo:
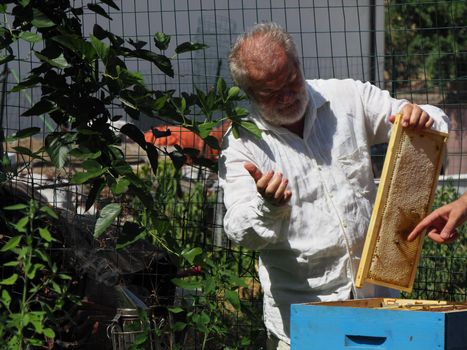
column 302, row 194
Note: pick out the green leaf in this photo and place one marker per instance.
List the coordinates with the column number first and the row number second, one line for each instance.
column 128, row 105
column 134, row 133
column 245, row 342
column 10, row 280
column 161, row 40
column 161, row 61
column 41, row 107
column 187, row 284
column 58, row 62
column 175, row 310
column 99, row 10
column 99, row 32
column 30, row 37
column 241, row 112
column 20, row 226
column 235, row 131
column 6, row 298
column 39, row 20
column 153, row 156
column 160, row 102
column 24, row 133
column 80, row 178
column 49, row 211
column 182, row 106
column 26, row 151
column 36, row 318
column 221, row 87
column 233, row 92
column 140, row 339
column 91, row 165
column 137, row 44
column 106, row 216
column 131, row 232
column 179, row 326
column 18, row 206
column 84, row 154
column 49, row 333
column 43, row 256
column 120, row 186
column 232, row 298
column 45, row 234
column 111, row 4
column 76, row 44
column 56, row 287
column 101, row 48
column 11, row 244
column 237, row 281
column 64, row 277
column 28, row 83
column 188, row 46
column 97, row 187
column 191, row 254
column 57, row 149
column 31, row 273
column 205, row 129
column 250, row 127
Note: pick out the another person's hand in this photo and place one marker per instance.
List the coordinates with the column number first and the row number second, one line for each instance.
column 272, row 187
column 442, row 223
column 414, row 117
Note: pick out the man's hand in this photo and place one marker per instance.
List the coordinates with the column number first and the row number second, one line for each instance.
column 272, row 187
column 414, row 117
column 442, row 222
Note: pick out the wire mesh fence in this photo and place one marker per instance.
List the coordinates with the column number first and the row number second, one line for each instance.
column 415, row 49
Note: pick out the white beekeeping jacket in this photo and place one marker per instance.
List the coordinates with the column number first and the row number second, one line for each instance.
column 310, row 248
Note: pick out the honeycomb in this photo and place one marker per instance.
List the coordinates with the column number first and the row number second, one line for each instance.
column 405, row 196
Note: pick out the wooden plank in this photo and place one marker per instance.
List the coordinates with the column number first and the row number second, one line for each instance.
column 405, row 195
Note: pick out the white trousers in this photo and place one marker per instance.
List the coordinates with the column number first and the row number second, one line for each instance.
column 274, row 343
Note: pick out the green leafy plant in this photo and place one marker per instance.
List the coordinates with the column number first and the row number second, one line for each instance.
column 83, row 79
column 34, row 291
column 210, row 304
column 426, row 40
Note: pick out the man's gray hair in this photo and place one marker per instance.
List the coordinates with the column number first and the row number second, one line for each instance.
column 271, row 33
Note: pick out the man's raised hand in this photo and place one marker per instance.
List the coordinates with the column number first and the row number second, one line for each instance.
column 273, row 187
column 414, row 117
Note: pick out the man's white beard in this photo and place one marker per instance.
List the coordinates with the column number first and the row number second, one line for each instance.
column 285, row 117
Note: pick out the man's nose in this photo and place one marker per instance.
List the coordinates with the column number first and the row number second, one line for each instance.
column 286, row 97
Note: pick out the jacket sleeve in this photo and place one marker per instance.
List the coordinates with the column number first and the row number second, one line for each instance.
column 249, row 221
column 379, row 106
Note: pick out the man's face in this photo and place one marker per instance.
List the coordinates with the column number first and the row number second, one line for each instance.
column 281, row 98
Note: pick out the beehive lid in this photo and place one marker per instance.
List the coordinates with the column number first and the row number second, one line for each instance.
column 398, row 304
column 405, row 196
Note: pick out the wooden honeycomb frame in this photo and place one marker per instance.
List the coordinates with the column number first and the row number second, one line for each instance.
column 405, row 195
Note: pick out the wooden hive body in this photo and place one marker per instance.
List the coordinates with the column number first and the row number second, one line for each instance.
column 379, row 324
column 405, row 196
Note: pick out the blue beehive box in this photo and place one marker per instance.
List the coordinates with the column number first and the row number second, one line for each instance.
column 379, row 324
